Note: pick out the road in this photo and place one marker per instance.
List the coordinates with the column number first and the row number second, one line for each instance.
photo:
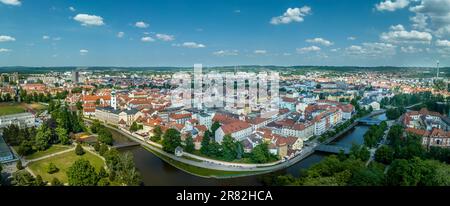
column 381, row 143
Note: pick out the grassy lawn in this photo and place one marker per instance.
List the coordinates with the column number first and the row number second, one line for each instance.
column 10, row 108
column 63, row 162
column 51, row 150
column 199, row 171
column 14, row 108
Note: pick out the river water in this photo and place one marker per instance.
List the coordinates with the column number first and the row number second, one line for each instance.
column 156, row 172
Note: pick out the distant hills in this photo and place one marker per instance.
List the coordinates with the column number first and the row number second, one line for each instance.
column 22, row 69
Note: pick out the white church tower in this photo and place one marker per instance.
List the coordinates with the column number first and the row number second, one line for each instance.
column 114, row 100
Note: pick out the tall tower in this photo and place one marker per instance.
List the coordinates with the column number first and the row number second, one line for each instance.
column 437, row 67
column 114, row 100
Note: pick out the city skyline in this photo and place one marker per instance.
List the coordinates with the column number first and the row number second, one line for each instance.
column 177, row 33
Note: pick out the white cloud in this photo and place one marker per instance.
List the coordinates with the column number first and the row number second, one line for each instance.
column 419, row 21
column 410, row 49
column 89, row 20
column 3, row 50
column 287, row 54
column 392, row 5
column 193, row 45
column 443, row 43
column 308, row 49
column 260, row 51
column 335, row 50
column 4, row 38
column 398, row 34
column 141, row 24
column 165, row 37
column 11, row 2
column 226, row 53
column 321, row 41
column 292, row 15
column 120, row 34
column 437, row 12
column 372, row 49
column 72, row 8
column 47, row 37
column 84, row 51
column 147, row 39
column 351, row 38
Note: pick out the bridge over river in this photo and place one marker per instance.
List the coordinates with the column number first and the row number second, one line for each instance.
column 333, row 148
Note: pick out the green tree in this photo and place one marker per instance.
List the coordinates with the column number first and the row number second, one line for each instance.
column 105, row 136
column 102, row 173
column 205, row 142
column 79, row 105
column 401, row 173
column 51, row 169
column 171, row 140
column 214, row 127
column 96, row 126
column 371, row 176
column 19, row 165
column 360, row 152
column 25, row 148
column 229, row 148
column 56, row 182
column 157, row 133
column 23, row 178
column 82, row 173
column 42, row 138
column 134, row 127
column 79, row 150
column 190, row 146
column 128, row 174
column 39, row 182
column 261, row 154
column 103, row 149
column 62, row 136
column 214, row 149
column 384, row 154
column 103, row 182
column 97, row 146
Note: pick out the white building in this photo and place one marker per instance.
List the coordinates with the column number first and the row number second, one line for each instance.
column 22, row 120
column 239, row 130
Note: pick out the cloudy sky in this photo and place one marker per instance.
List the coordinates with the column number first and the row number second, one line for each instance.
column 224, row 32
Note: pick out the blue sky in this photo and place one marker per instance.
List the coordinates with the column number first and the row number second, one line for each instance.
column 224, row 32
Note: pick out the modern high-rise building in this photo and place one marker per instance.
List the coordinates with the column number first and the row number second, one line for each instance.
column 75, row 76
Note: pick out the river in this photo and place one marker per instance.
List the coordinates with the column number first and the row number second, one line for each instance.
column 156, row 172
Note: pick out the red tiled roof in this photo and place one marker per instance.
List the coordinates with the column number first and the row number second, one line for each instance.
column 180, row 116
column 235, row 126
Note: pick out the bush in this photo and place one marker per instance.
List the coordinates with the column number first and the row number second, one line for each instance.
column 19, row 165
column 79, row 150
column 56, row 182
column 103, row 182
column 52, row 168
column 97, row 146
column 103, row 149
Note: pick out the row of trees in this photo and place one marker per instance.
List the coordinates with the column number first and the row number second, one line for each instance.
column 350, row 171
column 56, row 130
column 374, row 134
